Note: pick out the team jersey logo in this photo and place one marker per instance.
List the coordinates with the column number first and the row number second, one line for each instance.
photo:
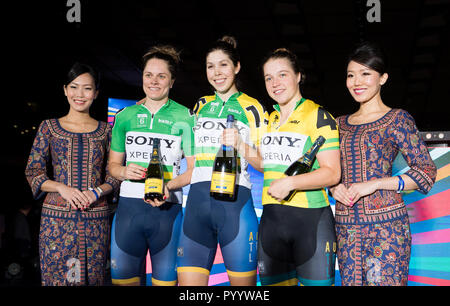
column 231, row 110
column 276, row 122
column 139, row 144
column 165, row 121
column 208, row 131
column 282, row 148
column 213, row 106
column 141, row 120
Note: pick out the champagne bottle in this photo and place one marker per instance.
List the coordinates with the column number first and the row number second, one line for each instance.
column 304, row 163
column 154, row 180
column 223, row 180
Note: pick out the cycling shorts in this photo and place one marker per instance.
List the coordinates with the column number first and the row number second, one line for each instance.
column 208, row 222
column 296, row 245
column 137, row 228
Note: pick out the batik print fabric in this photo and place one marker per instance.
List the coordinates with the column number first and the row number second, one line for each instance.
column 372, row 224
column 73, row 251
column 73, row 243
column 374, row 254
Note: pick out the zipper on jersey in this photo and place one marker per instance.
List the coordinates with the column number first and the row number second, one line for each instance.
column 151, row 121
column 223, row 105
column 153, row 115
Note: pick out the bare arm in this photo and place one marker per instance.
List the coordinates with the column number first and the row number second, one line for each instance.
column 184, row 178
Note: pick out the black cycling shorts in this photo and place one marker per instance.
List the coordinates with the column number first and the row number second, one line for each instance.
column 296, row 245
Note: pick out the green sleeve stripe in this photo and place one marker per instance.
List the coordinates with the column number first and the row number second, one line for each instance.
column 117, row 149
column 118, row 137
column 206, row 150
column 204, row 163
column 330, row 148
column 167, row 168
column 267, row 182
column 275, row 167
column 209, row 150
column 188, row 141
column 332, row 140
column 316, row 198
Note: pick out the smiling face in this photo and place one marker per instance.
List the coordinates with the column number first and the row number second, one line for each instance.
column 221, row 72
column 157, row 80
column 363, row 83
column 81, row 92
column 282, row 83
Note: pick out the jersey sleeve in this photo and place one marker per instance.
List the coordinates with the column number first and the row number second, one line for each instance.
column 187, row 138
column 325, row 125
column 258, row 119
column 199, row 105
column 118, row 133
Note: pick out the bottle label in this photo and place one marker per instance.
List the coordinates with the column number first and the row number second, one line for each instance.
column 154, row 185
column 222, row 182
column 307, row 160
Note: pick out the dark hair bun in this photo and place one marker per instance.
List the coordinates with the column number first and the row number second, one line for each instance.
column 228, row 45
column 370, row 55
column 229, row 40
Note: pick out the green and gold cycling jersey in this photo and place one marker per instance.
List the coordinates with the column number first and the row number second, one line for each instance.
column 134, row 129
column 283, row 144
column 250, row 120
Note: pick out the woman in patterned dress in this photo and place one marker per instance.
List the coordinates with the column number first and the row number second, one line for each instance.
column 372, row 225
column 74, row 233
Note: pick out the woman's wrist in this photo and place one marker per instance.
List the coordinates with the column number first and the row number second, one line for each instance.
column 377, row 184
column 290, row 182
column 169, row 185
column 99, row 191
column 242, row 148
column 59, row 187
column 123, row 173
column 97, row 196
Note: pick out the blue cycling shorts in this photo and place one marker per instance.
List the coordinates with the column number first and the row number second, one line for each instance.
column 208, row 222
column 137, row 228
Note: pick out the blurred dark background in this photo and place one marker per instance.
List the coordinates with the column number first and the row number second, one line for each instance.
column 39, row 45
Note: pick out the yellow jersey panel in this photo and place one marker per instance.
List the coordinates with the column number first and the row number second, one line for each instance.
column 283, row 144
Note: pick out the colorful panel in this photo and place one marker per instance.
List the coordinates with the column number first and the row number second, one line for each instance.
column 115, row 105
column 430, row 224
